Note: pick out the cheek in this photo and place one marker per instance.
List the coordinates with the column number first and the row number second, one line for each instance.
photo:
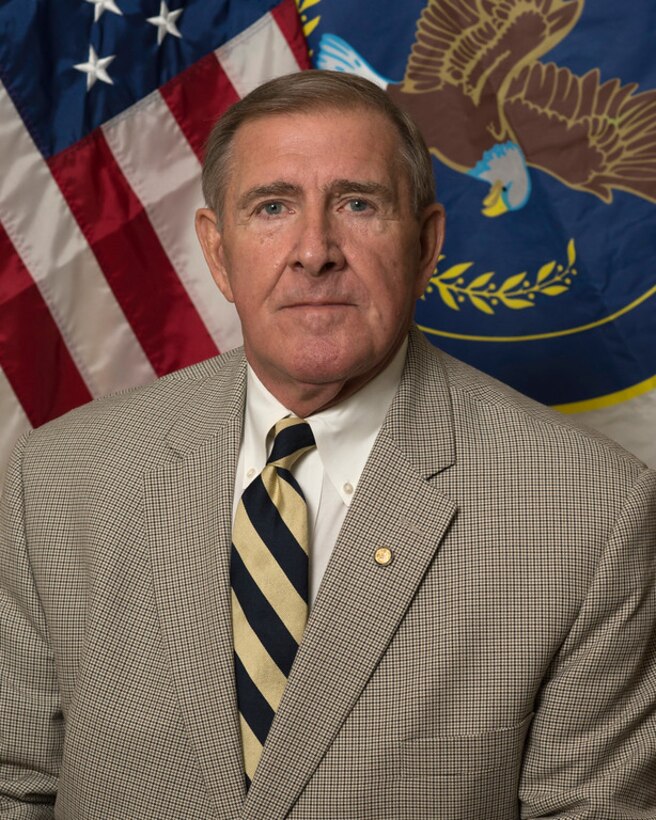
column 249, row 306
column 391, row 289
column 251, row 281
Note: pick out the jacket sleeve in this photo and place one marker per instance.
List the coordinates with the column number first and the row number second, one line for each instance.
column 31, row 723
column 591, row 752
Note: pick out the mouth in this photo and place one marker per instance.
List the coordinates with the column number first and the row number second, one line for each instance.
column 316, row 305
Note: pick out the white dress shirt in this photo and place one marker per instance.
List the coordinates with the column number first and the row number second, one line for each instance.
column 329, row 474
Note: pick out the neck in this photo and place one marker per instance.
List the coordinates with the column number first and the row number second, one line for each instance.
column 304, row 399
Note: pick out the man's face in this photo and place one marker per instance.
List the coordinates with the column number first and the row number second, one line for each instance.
column 319, row 247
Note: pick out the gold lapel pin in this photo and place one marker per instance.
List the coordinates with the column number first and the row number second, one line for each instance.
column 383, row 556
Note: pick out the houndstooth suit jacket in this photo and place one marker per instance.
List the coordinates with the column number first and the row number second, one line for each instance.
column 502, row 666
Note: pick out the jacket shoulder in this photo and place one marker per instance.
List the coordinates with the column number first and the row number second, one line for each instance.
column 136, row 420
column 516, row 412
column 491, row 420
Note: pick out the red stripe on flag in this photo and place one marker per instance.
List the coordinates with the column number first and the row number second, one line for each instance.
column 200, row 94
column 289, row 23
column 131, row 256
column 197, row 97
column 33, row 353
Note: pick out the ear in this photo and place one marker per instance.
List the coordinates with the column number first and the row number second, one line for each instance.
column 209, row 236
column 431, row 239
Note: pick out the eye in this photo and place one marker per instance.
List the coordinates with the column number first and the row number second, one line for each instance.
column 358, row 206
column 272, row 208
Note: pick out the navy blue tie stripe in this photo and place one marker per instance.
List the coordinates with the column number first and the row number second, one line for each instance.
column 271, row 631
column 289, row 478
column 283, row 546
column 290, row 440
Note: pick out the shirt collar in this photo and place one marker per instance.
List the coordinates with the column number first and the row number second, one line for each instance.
column 344, row 433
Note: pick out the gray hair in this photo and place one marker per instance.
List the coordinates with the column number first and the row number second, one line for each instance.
column 309, row 91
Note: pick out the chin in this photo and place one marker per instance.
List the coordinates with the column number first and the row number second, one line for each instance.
column 326, row 364
column 319, row 373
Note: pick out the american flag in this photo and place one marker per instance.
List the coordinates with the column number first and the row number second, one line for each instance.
column 105, row 106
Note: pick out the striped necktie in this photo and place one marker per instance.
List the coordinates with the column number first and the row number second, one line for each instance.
column 269, row 579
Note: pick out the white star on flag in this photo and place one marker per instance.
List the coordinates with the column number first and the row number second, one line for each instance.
column 104, row 5
column 96, row 68
column 165, row 22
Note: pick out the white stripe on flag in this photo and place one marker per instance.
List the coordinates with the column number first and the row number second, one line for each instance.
column 14, row 422
column 47, row 237
column 258, row 54
column 630, row 423
column 141, row 142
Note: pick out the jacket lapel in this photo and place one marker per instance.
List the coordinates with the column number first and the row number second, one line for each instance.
column 188, row 509
column 360, row 602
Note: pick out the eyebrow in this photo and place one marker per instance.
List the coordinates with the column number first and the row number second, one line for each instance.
column 274, row 189
column 339, row 187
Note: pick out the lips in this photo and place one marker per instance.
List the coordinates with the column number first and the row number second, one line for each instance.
column 319, row 304
column 331, row 300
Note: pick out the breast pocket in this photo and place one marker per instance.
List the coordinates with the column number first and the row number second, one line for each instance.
column 467, row 776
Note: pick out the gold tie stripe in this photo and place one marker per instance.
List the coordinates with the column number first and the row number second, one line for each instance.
column 269, row 578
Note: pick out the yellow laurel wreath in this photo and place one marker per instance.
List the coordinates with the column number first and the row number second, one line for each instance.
column 308, row 25
column 516, row 292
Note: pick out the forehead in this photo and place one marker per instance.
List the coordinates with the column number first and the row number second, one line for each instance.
column 315, row 147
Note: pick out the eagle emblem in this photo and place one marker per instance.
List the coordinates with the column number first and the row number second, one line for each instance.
column 476, row 69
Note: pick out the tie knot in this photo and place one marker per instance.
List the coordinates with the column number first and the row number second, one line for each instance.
column 292, row 438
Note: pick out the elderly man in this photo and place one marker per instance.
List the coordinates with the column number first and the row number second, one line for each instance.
column 335, row 574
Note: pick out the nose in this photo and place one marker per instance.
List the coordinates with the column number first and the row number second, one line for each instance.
column 318, row 248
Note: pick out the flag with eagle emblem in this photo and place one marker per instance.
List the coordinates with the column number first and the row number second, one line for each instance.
column 540, row 116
